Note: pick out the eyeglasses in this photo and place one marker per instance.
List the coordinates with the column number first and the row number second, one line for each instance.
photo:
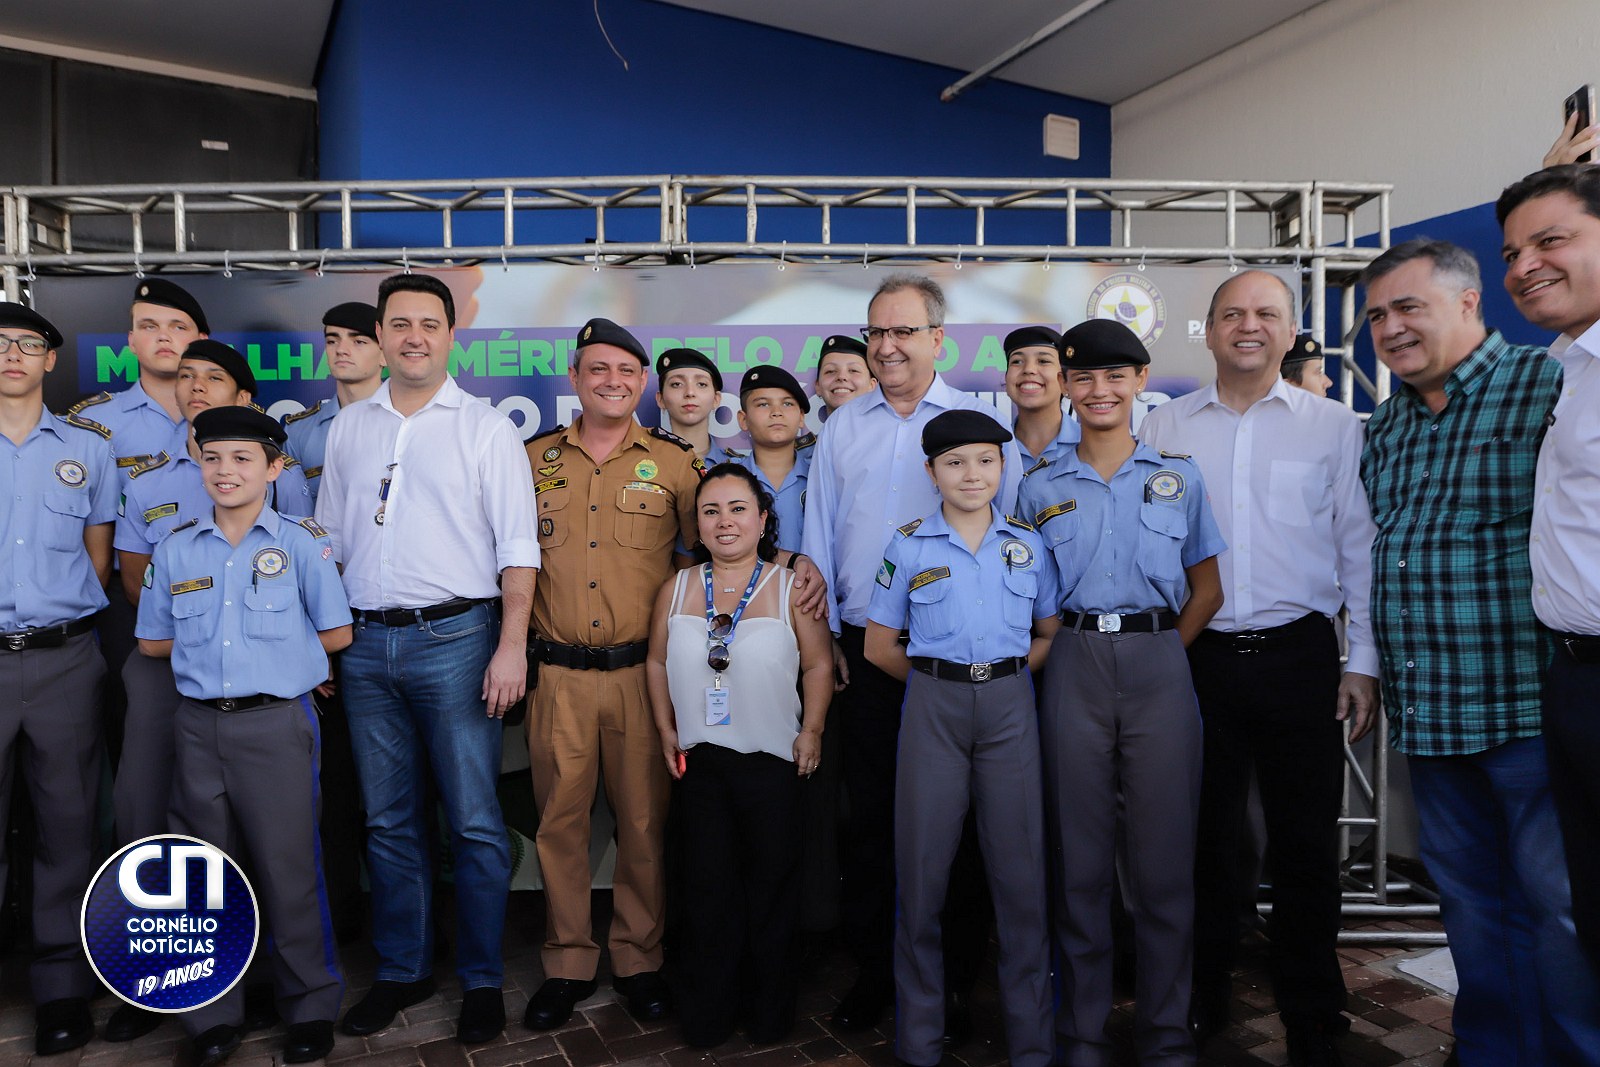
column 902, row 334
column 718, row 631
column 29, row 346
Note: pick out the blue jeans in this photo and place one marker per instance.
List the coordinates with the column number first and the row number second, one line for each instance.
column 1491, row 842
column 412, row 695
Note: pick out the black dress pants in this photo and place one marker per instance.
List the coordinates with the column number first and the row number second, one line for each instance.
column 1572, row 743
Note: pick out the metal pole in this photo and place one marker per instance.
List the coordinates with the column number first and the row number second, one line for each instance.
column 1033, row 40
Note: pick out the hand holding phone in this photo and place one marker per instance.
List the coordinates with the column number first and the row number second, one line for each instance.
column 1578, row 111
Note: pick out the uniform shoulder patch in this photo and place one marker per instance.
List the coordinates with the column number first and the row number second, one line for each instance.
column 1042, row 463
column 304, row 413
column 668, row 435
column 289, row 461
column 1174, row 455
column 911, row 527
column 312, row 527
column 1012, row 520
column 805, row 440
column 155, row 462
column 183, row 526
column 72, row 418
column 89, row 402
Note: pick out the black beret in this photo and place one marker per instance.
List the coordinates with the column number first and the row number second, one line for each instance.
column 681, row 358
column 167, row 294
column 362, row 318
column 961, row 426
column 224, row 356
column 606, row 332
column 1101, row 343
column 1027, row 336
column 238, row 424
column 771, row 377
column 841, row 342
column 23, row 317
column 1305, row 347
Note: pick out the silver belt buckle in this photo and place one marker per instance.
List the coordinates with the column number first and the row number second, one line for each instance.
column 15, row 642
column 1110, row 624
column 981, row 672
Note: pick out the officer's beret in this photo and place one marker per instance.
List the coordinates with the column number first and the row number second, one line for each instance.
column 769, row 377
column 684, row 358
column 606, row 332
column 842, row 342
column 224, row 356
column 238, row 424
column 362, row 318
column 961, row 426
column 167, row 294
column 23, row 317
column 1028, row 336
column 1101, row 343
column 1305, row 347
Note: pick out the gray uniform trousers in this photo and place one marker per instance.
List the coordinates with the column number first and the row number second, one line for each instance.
column 50, row 726
column 1119, row 712
column 142, row 791
column 961, row 744
column 246, row 781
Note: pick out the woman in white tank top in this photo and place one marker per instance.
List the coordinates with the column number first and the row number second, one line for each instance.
column 726, row 651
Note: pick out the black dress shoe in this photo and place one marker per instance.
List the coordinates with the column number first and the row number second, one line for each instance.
column 1209, row 1015
column 957, row 1020
column 260, row 1008
column 1313, row 1046
column 863, row 1006
column 483, row 1015
column 552, row 1005
column 129, row 1023
column 382, row 1002
column 213, row 1046
column 62, row 1025
column 645, row 995
column 308, row 1041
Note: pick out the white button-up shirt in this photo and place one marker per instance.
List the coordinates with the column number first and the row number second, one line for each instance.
column 458, row 508
column 1285, row 485
column 867, row 480
column 1564, row 546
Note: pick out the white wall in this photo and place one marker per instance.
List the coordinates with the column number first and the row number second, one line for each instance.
column 1449, row 100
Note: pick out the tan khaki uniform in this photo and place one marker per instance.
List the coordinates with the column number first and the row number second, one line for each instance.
column 607, row 533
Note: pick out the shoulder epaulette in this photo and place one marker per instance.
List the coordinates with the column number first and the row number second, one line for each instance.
column 1173, row 455
column 74, row 419
column 667, row 435
column 289, row 461
column 183, row 526
column 155, row 462
column 304, row 413
column 253, row 406
column 805, row 440
column 312, row 527
column 548, row 433
column 89, row 402
column 911, row 527
column 1042, row 463
column 1012, row 520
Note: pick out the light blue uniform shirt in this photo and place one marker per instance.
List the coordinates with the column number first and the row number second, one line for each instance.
column 140, row 427
column 1069, row 435
column 244, row 621
column 965, row 606
column 867, row 479
column 53, row 485
column 789, row 499
column 1122, row 547
column 308, row 441
column 169, row 491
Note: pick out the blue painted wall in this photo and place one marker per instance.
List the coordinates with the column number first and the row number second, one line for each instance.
column 503, row 88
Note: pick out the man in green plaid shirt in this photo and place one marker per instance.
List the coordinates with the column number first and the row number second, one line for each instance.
column 1448, row 466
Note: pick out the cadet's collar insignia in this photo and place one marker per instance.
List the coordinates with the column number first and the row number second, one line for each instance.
column 734, row 453
column 928, row 576
column 1174, row 455
column 270, row 562
column 191, row 586
column 1012, row 520
column 545, row 472
column 149, row 575
column 1164, row 485
column 805, row 440
column 911, row 527
column 646, row 469
column 71, row 473
column 312, row 528
column 313, row 472
column 1042, row 462
column 553, row 452
column 547, row 527
column 1016, row 553
column 549, row 484
column 886, row 574
column 1053, row 510
column 303, row 413
column 160, row 511
column 183, row 526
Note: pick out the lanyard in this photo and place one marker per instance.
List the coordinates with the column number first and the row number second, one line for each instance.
column 749, row 590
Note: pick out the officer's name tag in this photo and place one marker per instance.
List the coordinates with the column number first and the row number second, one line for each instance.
column 717, row 711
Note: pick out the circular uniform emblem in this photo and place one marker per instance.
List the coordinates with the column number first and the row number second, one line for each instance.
column 646, row 469
column 552, row 453
column 71, row 473
column 169, row 923
column 1133, row 301
column 270, row 562
column 1165, row 485
column 1016, row 553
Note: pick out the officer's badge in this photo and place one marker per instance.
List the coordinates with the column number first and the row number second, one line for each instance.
column 646, row 469
column 144, row 290
column 1017, row 553
column 149, row 575
column 270, row 562
column 71, row 473
column 587, row 330
column 545, row 472
column 549, row 484
column 1068, row 352
column 885, row 574
column 1164, row 485
column 551, row 453
column 547, row 527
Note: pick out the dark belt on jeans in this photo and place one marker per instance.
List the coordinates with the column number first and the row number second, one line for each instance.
column 412, row 616
column 242, row 703
column 1583, row 648
column 947, row 671
column 1257, row 640
column 45, row 636
column 1143, row 622
column 584, row 658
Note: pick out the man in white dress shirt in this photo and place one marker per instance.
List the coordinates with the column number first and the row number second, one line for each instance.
column 428, row 499
column 1283, row 470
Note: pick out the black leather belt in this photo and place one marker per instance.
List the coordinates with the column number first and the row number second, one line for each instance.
column 1256, row 640
column 584, row 658
column 45, row 636
column 243, row 703
column 947, row 671
column 412, row 616
column 1144, row 622
column 1584, row 648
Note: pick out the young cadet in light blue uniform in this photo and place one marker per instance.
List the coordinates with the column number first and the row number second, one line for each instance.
column 1035, row 385
column 355, row 363
column 60, row 488
column 979, row 595
column 772, row 410
column 248, row 604
column 1128, row 527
